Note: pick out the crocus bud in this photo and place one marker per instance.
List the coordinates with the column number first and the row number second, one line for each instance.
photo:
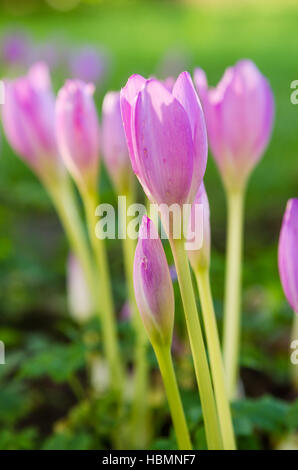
column 288, row 253
column 77, row 131
column 239, row 116
column 166, row 137
column 200, row 259
column 28, row 119
column 78, row 292
column 153, row 286
column 114, row 145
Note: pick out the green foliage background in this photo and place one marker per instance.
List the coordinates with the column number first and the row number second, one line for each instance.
column 44, row 402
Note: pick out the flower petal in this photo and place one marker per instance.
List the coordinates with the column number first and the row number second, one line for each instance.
column 153, row 285
column 185, row 93
column 288, row 254
column 128, row 96
column 163, row 145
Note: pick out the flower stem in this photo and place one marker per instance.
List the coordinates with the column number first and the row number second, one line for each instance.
column 216, row 362
column 164, row 358
column 295, row 338
column 232, row 303
column 64, row 200
column 197, row 346
column 139, row 411
column 108, row 319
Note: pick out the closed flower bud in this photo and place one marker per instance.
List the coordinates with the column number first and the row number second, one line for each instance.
column 153, row 286
column 200, row 259
column 239, row 117
column 288, row 253
column 166, row 137
column 28, row 120
column 115, row 151
column 77, row 131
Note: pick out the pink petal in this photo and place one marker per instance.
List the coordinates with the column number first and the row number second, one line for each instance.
column 185, row 93
column 128, row 96
column 288, row 253
column 153, row 285
column 163, row 145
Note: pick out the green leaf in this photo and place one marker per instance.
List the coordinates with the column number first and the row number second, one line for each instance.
column 266, row 413
column 164, row 444
column 14, row 402
column 200, row 442
column 64, row 441
column 23, row 440
column 292, row 416
column 59, row 362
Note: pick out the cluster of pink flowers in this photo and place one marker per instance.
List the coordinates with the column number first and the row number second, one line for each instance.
column 165, row 133
column 159, row 131
column 85, row 62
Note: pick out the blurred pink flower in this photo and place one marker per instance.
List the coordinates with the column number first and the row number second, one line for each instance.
column 288, row 253
column 28, row 120
column 88, row 64
column 239, row 116
column 125, row 312
column 115, row 151
column 16, row 48
column 77, row 130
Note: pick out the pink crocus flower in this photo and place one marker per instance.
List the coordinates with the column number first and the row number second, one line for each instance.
column 288, row 253
column 239, row 115
column 28, row 120
column 166, row 137
column 153, row 285
column 115, row 151
column 77, row 130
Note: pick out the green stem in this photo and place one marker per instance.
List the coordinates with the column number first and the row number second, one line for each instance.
column 164, row 358
column 108, row 319
column 77, row 388
column 64, row 201
column 139, row 411
column 216, row 362
column 232, row 303
column 139, row 423
column 295, row 338
column 197, row 346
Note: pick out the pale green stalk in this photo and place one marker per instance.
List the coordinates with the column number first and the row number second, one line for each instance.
column 216, row 362
column 164, row 358
column 63, row 197
column 108, row 318
column 232, row 301
column 212, row 429
column 61, row 191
